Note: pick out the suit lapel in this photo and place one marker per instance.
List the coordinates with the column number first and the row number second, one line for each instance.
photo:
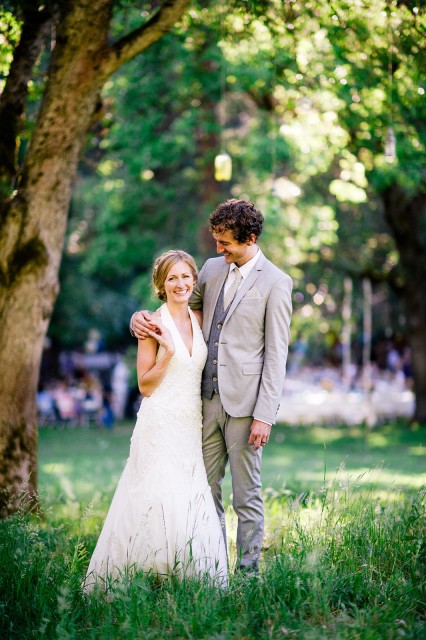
column 247, row 283
column 214, row 292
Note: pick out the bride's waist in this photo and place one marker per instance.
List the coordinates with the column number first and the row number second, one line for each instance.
column 174, row 399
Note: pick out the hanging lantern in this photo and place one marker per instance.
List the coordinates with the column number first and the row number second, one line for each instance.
column 390, row 145
column 223, row 167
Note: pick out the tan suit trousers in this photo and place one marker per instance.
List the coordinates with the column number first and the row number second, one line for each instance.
column 225, row 438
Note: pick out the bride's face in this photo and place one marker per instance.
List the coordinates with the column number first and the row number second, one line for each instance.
column 179, row 283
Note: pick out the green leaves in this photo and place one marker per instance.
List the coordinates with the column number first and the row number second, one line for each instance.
column 301, row 96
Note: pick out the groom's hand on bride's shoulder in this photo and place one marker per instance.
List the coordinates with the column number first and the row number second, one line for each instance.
column 140, row 324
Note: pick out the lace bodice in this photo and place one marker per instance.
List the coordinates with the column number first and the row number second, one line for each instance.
column 180, row 389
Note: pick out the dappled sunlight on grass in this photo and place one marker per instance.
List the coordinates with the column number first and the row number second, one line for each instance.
column 55, row 468
column 300, row 458
column 364, row 477
column 329, row 515
column 81, row 467
column 380, row 477
column 84, row 465
column 417, row 451
column 88, row 459
column 378, row 440
column 343, row 545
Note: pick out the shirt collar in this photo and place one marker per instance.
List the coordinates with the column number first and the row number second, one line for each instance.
column 248, row 266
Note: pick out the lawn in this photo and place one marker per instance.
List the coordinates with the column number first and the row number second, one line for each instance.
column 344, row 553
column 85, row 464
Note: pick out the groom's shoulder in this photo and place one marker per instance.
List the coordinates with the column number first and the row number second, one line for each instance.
column 214, row 264
column 217, row 260
column 275, row 273
column 210, row 270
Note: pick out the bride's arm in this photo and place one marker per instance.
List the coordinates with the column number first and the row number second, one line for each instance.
column 151, row 372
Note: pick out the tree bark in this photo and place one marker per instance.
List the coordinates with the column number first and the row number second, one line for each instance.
column 34, row 219
column 407, row 219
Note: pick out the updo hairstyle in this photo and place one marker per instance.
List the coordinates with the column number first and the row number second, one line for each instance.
column 162, row 266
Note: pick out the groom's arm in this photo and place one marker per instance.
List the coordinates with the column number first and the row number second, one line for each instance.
column 140, row 324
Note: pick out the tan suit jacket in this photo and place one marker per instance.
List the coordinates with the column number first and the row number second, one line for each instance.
column 254, row 340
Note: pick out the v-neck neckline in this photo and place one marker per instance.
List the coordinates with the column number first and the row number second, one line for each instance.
column 191, row 317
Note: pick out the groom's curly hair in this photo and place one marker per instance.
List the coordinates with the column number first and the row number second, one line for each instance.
column 240, row 217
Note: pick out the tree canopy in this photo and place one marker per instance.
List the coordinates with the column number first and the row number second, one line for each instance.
column 302, row 97
column 110, row 154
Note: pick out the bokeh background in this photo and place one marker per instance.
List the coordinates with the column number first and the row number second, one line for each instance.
column 321, row 109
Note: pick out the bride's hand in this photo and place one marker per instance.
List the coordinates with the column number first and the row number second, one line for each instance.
column 163, row 336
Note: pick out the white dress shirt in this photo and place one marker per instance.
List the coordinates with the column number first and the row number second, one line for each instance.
column 244, row 270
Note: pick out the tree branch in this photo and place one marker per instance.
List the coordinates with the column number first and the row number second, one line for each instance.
column 140, row 39
column 13, row 99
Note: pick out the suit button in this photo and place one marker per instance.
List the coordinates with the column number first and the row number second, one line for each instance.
column 219, row 326
column 215, row 379
column 214, row 361
column 216, row 344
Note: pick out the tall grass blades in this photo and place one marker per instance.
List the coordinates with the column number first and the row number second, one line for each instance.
column 347, row 566
column 344, row 558
column 354, row 560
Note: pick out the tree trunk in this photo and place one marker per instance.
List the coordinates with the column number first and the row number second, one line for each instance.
column 33, row 221
column 346, row 332
column 367, row 333
column 35, row 224
column 414, row 297
column 407, row 219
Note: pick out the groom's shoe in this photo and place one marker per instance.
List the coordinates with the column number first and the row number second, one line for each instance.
column 252, row 571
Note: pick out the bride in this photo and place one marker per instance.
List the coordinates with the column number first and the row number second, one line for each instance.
column 162, row 517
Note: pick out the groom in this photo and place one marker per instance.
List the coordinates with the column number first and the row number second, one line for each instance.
column 246, row 304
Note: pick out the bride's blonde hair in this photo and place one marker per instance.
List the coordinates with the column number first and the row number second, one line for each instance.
column 162, row 266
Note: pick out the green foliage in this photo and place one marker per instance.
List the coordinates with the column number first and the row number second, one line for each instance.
column 143, row 198
column 10, row 33
column 86, row 303
column 299, row 96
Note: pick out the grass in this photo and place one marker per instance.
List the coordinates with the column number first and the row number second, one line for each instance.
column 344, row 557
column 82, row 465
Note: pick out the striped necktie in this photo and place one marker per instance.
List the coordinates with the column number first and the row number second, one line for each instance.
column 229, row 295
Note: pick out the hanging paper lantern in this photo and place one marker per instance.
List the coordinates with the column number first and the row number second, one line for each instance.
column 223, row 167
column 390, row 145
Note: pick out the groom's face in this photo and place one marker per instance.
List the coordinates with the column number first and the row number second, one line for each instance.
column 234, row 251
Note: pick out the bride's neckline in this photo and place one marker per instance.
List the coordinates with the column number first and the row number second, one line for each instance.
column 190, row 351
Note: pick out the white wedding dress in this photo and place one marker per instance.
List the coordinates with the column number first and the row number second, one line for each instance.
column 162, row 517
